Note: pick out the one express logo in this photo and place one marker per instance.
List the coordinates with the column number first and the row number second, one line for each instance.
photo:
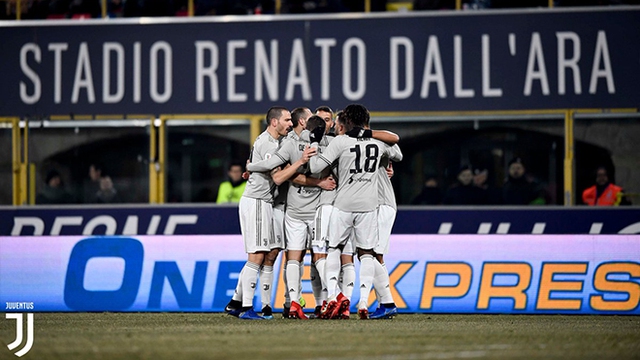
column 19, row 333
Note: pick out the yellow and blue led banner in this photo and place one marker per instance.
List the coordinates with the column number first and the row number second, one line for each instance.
column 529, row 274
column 408, row 62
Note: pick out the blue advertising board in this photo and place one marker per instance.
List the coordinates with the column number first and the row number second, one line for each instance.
column 410, row 62
column 217, row 220
column 523, row 274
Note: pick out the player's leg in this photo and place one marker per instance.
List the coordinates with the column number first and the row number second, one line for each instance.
column 339, row 230
column 296, row 234
column 266, row 275
column 366, row 238
column 255, row 220
column 347, row 275
column 387, row 307
column 319, row 254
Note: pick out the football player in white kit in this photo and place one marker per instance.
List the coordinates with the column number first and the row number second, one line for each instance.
column 354, row 207
column 256, row 214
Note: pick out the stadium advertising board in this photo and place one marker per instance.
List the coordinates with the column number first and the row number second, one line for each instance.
column 499, row 60
column 212, row 220
column 532, row 274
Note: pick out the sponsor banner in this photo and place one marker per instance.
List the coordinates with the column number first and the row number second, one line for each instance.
column 529, row 274
column 423, row 61
column 214, row 220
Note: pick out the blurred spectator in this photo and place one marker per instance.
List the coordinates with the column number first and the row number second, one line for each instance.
column 54, row 191
column 231, row 191
column 463, row 192
column 430, row 194
column 481, row 180
column 519, row 189
column 107, row 193
column 604, row 193
column 92, row 186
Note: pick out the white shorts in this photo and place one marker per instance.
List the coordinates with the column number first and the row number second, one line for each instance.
column 363, row 224
column 298, row 233
column 256, row 224
column 321, row 236
column 386, row 218
column 278, row 229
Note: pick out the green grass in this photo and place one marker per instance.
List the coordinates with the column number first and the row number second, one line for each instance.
column 419, row 336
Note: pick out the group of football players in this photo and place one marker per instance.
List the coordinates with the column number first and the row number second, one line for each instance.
column 321, row 185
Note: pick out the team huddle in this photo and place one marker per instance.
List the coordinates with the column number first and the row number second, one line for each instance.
column 311, row 190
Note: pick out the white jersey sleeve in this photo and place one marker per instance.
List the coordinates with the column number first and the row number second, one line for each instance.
column 280, row 157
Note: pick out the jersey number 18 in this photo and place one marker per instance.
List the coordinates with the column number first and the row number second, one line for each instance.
column 370, row 160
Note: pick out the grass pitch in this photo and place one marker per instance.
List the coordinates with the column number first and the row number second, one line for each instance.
column 419, row 336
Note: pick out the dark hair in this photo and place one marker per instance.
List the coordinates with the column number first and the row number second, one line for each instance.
column 314, row 122
column 296, row 114
column 324, row 108
column 463, row 168
column 274, row 112
column 97, row 166
column 235, row 163
column 355, row 115
column 340, row 117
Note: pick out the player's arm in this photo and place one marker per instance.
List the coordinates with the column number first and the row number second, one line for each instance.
column 395, row 154
column 385, row 136
column 279, row 176
column 326, row 183
column 269, row 164
column 322, row 161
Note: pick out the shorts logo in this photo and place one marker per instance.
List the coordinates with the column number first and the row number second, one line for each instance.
column 265, row 242
column 350, row 284
column 253, row 285
column 266, row 287
column 18, row 340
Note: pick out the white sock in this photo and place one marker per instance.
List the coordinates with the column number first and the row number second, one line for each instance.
column 266, row 278
column 300, row 281
column 249, row 279
column 293, row 279
column 332, row 270
column 316, row 285
column 366, row 279
column 321, row 267
column 237, row 294
column 287, row 298
column 348, row 279
column 381, row 283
